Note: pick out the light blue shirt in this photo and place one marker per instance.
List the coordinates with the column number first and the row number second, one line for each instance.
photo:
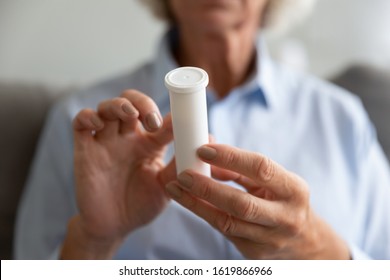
column 307, row 125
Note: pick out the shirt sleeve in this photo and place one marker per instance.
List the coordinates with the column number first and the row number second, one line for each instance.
column 357, row 253
column 48, row 200
column 372, row 196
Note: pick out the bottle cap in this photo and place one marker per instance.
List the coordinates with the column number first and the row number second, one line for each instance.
column 186, row 80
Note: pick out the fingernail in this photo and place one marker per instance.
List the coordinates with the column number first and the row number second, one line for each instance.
column 128, row 109
column 152, row 121
column 173, row 190
column 185, row 179
column 96, row 121
column 207, row 153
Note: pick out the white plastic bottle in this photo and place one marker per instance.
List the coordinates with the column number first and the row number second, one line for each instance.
column 187, row 93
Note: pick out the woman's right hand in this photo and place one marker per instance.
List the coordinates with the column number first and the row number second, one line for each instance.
column 119, row 171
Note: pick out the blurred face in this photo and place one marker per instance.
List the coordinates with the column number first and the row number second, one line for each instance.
column 217, row 15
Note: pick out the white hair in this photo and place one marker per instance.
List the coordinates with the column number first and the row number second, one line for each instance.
column 278, row 16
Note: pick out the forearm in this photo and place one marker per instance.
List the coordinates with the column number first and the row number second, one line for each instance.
column 78, row 244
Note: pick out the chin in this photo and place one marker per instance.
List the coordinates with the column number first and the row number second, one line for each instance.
column 218, row 22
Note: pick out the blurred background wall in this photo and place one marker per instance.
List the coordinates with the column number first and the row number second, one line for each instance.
column 62, row 42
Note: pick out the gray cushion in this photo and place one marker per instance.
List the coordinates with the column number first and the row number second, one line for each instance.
column 372, row 85
column 22, row 112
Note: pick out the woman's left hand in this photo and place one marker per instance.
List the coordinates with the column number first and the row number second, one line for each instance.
column 273, row 219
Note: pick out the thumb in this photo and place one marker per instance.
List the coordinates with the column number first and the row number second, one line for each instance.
column 168, row 173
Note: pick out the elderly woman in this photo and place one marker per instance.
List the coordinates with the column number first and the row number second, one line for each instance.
column 298, row 172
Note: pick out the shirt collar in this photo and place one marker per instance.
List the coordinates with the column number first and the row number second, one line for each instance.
column 261, row 85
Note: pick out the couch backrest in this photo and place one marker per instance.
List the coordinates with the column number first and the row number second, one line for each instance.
column 22, row 113
column 372, row 85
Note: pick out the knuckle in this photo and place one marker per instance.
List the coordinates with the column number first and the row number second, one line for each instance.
column 300, row 219
column 293, row 229
column 128, row 93
column 146, row 100
column 225, row 224
column 135, row 95
column 301, row 190
column 115, row 107
column 80, row 115
column 296, row 222
column 230, row 158
column 247, row 210
column 304, row 190
column 265, row 169
column 118, row 102
column 76, row 122
column 205, row 190
column 87, row 112
column 83, row 115
column 101, row 105
column 278, row 244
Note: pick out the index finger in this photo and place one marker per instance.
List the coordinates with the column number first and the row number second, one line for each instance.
column 132, row 104
column 259, row 168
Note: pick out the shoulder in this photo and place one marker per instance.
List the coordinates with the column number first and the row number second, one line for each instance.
column 323, row 98
column 328, row 110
